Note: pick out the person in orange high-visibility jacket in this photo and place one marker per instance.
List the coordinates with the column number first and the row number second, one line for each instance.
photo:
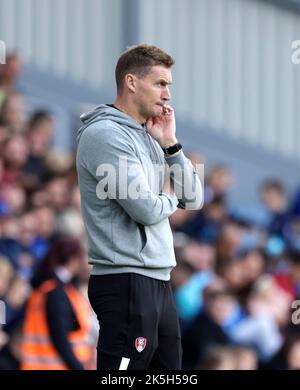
column 57, row 322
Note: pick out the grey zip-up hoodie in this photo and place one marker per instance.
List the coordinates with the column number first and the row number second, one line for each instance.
column 128, row 233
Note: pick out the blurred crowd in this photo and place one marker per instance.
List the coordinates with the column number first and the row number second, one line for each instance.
column 39, row 204
column 237, row 277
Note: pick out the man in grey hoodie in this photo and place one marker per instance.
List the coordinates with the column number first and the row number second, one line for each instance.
column 126, row 201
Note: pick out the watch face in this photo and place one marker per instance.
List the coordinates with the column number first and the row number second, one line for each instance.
column 172, row 149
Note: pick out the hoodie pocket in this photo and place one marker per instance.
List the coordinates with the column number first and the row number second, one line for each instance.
column 158, row 252
column 129, row 239
column 143, row 237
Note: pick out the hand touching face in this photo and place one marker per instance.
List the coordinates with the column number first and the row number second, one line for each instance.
column 163, row 127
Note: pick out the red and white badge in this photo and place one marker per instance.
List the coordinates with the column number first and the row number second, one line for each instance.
column 140, row 343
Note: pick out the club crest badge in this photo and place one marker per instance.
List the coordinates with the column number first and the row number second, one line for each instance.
column 140, row 343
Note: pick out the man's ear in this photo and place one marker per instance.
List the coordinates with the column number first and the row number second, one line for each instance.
column 130, row 82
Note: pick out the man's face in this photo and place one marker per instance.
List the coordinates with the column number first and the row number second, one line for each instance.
column 274, row 200
column 152, row 91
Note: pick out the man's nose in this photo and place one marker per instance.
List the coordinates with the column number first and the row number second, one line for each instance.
column 166, row 95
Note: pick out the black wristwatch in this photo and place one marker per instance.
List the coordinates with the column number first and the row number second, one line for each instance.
column 172, row 149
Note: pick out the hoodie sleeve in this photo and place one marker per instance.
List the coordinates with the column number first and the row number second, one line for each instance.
column 187, row 185
column 112, row 160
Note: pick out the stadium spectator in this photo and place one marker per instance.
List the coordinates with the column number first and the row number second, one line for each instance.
column 276, row 202
column 13, row 112
column 58, row 318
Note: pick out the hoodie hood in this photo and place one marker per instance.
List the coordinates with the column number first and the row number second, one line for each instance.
column 105, row 112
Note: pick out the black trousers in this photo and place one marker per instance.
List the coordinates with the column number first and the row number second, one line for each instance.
column 139, row 327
